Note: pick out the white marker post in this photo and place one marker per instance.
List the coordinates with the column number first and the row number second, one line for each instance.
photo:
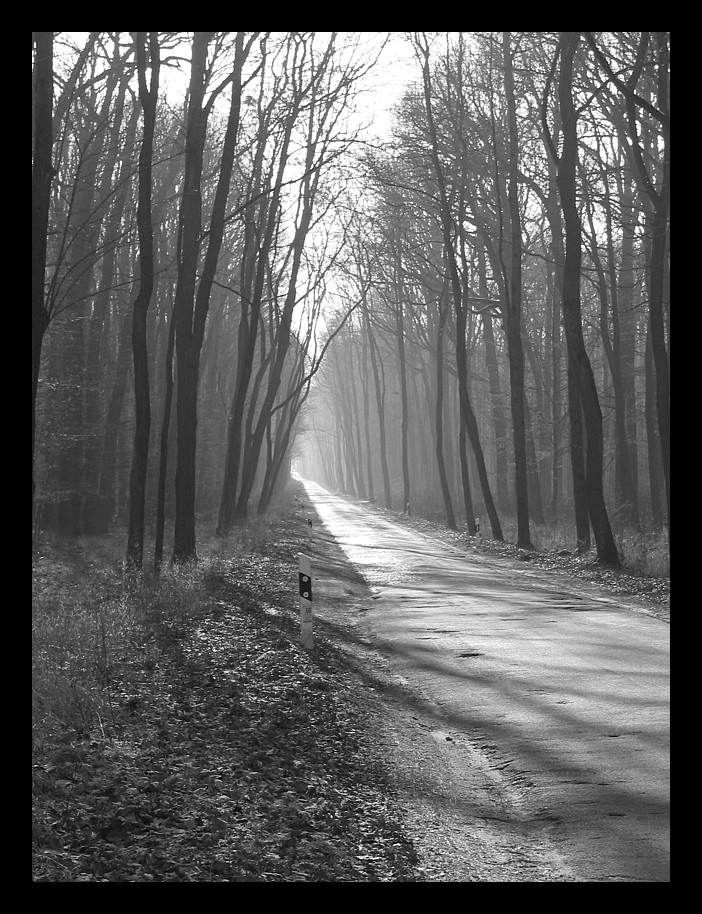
column 306, row 623
column 478, row 534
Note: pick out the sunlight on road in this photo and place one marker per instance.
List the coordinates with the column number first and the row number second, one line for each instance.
column 567, row 693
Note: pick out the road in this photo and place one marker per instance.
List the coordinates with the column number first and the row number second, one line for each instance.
column 562, row 692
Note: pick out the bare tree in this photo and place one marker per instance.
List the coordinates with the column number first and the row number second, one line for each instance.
column 191, row 306
column 42, row 170
column 656, row 189
column 148, row 96
column 577, row 354
column 458, row 298
column 513, row 307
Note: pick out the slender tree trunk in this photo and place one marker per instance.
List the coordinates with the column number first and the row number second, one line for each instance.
column 461, row 358
column 366, row 416
column 163, row 456
column 137, row 484
column 254, row 267
column 465, row 475
column 534, row 482
column 627, row 321
column 187, row 362
column 97, row 512
column 625, row 497
column 496, row 402
column 80, row 263
column 282, row 345
column 402, row 371
column 656, row 479
column 513, row 311
column 379, row 386
column 42, row 137
column 577, row 354
column 338, row 456
column 576, row 444
column 439, row 437
column 190, row 309
column 657, row 271
column 285, row 437
column 356, row 418
column 658, row 193
column 556, row 404
column 108, row 458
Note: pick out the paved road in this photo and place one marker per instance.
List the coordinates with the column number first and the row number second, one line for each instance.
column 565, row 692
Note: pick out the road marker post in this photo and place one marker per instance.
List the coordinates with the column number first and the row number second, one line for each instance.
column 305, row 601
column 478, row 534
column 309, row 531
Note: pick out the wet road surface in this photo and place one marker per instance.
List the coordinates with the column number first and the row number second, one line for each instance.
column 563, row 692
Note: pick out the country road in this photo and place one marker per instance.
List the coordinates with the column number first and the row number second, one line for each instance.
column 560, row 693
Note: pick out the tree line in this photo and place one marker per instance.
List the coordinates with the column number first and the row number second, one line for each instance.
column 470, row 316
column 509, row 356
column 176, row 289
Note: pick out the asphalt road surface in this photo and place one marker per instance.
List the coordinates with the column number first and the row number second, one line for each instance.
column 562, row 690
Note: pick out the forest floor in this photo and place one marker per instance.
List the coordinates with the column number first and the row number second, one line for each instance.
column 218, row 749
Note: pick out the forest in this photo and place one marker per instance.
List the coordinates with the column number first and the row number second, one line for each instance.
column 465, row 317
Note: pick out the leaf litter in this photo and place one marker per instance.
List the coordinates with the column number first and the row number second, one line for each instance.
column 233, row 755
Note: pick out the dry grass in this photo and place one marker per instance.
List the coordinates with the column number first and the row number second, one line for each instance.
column 92, row 621
column 82, row 621
column 644, row 551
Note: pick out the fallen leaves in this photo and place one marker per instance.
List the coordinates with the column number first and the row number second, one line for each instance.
column 235, row 754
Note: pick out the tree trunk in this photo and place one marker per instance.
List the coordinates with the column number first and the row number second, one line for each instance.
column 658, row 193
column 137, row 483
column 366, row 416
column 656, row 479
column 461, row 359
column 513, row 286
column 187, row 366
column 191, row 311
column 577, row 354
column 356, row 418
column 496, row 402
column 625, row 497
column 163, row 456
column 379, row 387
column 439, row 442
column 253, row 271
column 108, row 458
column 471, row 520
column 97, row 512
column 554, row 339
column 41, row 191
column 402, row 371
column 627, row 322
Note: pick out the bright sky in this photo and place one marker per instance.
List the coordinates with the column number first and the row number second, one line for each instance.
column 395, row 67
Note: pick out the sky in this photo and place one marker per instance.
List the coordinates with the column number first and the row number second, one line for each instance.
column 385, row 83
column 396, row 67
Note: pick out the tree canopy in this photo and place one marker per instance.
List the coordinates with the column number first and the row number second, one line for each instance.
column 465, row 315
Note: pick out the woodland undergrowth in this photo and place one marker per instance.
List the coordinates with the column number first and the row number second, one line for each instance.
column 181, row 734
